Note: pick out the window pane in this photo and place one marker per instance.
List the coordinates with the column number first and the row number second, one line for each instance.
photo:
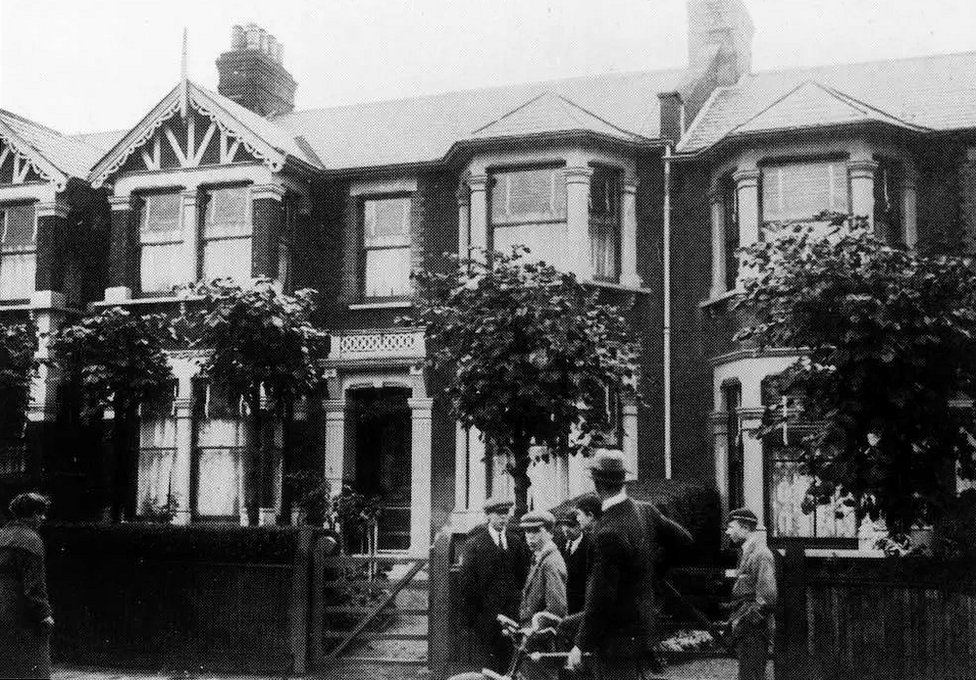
column 17, row 275
column 160, row 217
column 527, row 195
column 788, row 487
column 227, row 258
column 155, row 477
column 386, row 222
column 387, row 272
column 18, row 227
column 226, row 213
column 546, row 242
column 605, row 194
column 220, row 430
column 802, row 190
column 161, row 267
column 603, row 250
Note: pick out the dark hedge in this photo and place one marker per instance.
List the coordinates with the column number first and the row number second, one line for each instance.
column 196, row 543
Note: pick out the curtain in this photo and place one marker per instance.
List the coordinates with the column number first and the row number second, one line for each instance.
column 387, row 272
column 17, row 272
column 157, row 451
column 801, row 190
column 227, row 258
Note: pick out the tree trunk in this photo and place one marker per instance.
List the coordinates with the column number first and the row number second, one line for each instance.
column 124, row 465
column 287, row 464
column 255, row 473
column 519, row 469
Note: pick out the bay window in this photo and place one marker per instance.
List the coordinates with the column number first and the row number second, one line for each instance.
column 604, row 206
column 157, row 449
column 386, row 241
column 528, row 207
column 161, row 253
column 220, row 435
column 226, row 234
column 18, row 251
column 796, row 192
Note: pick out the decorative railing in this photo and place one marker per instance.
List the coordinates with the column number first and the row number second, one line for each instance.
column 378, row 345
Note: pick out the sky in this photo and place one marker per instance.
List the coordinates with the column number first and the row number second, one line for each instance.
column 96, row 65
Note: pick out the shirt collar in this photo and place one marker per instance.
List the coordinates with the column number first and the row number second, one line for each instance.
column 496, row 535
column 575, row 544
column 614, row 500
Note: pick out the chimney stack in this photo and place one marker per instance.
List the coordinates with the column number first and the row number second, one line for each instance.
column 721, row 26
column 252, row 73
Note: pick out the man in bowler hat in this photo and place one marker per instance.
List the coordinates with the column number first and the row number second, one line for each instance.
column 616, row 627
column 494, row 564
column 754, row 593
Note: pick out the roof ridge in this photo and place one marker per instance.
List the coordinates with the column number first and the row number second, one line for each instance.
column 29, row 121
column 489, row 88
column 845, row 96
column 593, row 115
column 813, row 67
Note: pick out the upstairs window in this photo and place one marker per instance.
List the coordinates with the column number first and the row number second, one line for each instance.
column 386, row 241
column 161, row 253
column 887, row 202
column 604, row 202
column 536, row 195
column 18, row 251
column 797, row 191
column 226, row 234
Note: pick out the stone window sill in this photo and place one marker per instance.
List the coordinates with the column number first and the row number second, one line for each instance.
column 381, row 304
column 727, row 295
column 610, row 285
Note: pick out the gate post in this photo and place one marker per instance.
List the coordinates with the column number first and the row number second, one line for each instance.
column 298, row 608
column 790, row 658
column 440, row 640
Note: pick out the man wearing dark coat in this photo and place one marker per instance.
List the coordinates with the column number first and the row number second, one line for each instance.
column 494, row 566
column 25, row 614
column 616, row 627
column 575, row 551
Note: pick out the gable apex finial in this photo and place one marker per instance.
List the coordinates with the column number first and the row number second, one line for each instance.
column 184, row 90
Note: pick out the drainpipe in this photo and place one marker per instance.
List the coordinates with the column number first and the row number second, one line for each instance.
column 667, row 310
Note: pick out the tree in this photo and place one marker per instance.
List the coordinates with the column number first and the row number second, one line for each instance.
column 262, row 347
column 886, row 384
column 120, row 362
column 530, row 354
column 18, row 346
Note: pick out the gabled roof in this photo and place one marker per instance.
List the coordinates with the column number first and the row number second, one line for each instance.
column 548, row 113
column 423, row 129
column 55, row 156
column 268, row 141
column 923, row 93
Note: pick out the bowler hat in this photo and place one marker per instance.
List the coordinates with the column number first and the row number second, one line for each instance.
column 497, row 503
column 608, row 466
column 536, row 519
column 744, row 515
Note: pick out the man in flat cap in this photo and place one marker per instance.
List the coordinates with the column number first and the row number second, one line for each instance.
column 545, row 587
column 494, row 564
column 754, row 594
column 616, row 623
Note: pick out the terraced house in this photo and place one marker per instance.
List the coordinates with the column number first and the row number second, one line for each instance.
column 643, row 184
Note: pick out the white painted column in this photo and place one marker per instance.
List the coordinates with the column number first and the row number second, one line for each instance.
column 461, row 502
column 420, row 474
column 718, row 242
column 909, row 204
column 477, row 469
column 861, row 172
column 335, row 443
column 747, row 189
column 183, row 456
column 720, row 439
column 42, row 404
column 464, row 226
column 478, row 223
column 628, row 234
column 629, row 443
column 190, row 202
column 577, row 251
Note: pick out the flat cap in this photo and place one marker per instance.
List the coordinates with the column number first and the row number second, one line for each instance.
column 536, row 519
column 568, row 518
column 744, row 515
column 496, row 503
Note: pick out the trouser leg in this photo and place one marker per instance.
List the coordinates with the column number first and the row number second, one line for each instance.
column 752, row 648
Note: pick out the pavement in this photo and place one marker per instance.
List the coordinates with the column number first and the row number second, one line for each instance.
column 701, row 669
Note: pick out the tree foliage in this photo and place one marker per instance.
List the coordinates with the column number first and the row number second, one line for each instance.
column 18, row 346
column 261, row 346
column 530, row 353
column 888, row 376
column 119, row 361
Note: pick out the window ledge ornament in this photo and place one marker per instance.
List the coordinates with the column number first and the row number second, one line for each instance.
column 274, row 161
column 40, row 165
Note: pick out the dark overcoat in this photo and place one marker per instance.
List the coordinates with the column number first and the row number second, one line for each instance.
column 491, row 584
column 24, row 642
column 618, row 614
column 577, row 570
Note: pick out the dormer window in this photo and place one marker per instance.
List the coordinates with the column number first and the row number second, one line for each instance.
column 18, row 251
column 161, row 243
column 226, row 234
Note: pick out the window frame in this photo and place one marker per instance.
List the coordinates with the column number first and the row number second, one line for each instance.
column 203, row 207
column 889, row 179
column 5, row 209
column 199, row 412
column 402, row 242
column 610, row 222
column 174, row 238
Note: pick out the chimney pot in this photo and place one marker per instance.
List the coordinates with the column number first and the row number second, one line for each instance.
column 259, row 83
column 237, row 39
column 253, row 37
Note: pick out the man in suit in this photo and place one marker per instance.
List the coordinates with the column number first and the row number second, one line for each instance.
column 575, row 551
column 616, row 627
column 494, row 565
